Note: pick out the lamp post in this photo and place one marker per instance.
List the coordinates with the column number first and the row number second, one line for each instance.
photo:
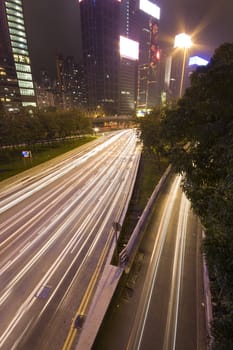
column 182, row 41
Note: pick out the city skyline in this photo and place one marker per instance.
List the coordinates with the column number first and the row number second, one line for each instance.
column 209, row 22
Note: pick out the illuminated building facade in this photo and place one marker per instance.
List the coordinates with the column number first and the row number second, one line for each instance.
column 148, row 16
column 129, row 51
column 100, row 42
column 128, row 75
column 120, row 53
column 70, row 91
column 16, row 85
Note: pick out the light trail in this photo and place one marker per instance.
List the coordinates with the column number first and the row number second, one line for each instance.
column 173, row 309
column 42, row 183
column 138, row 328
column 68, row 223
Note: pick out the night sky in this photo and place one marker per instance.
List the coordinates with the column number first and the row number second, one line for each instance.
column 53, row 27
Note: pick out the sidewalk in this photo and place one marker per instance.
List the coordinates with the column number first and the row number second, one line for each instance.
column 99, row 305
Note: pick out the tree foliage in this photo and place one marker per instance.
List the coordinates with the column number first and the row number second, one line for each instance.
column 199, row 131
column 150, row 132
column 29, row 128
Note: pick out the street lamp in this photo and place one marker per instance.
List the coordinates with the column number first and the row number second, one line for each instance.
column 183, row 41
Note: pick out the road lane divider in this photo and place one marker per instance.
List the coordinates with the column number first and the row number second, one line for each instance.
column 81, row 312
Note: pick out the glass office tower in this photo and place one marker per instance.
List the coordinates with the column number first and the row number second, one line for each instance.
column 100, row 42
column 120, row 53
column 16, row 84
column 148, row 16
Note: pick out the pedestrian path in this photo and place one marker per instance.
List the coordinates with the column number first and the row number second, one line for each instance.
column 99, row 305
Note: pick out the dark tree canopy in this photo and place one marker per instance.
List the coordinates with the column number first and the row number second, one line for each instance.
column 29, row 128
column 150, row 132
column 199, row 131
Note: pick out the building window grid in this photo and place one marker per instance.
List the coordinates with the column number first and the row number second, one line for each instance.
column 25, row 84
column 19, row 39
column 13, row 6
column 19, row 2
column 19, row 45
column 23, row 68
column 25, row 104
column 20, row 52
column 17, row 26
column 27, row 92
column 17, row 32
column 14, row 13
column 24, row 76
column 15, row 19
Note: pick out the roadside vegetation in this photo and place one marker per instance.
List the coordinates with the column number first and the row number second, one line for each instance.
column 13, row 163
column 149, row 173
column 196, row 133
column 44, row 134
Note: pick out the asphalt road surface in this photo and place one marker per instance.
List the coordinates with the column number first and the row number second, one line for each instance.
column 55, row 227
column 161, row 305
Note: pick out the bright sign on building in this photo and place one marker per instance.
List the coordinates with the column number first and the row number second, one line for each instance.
column 198, row 61
column 129, row 48
column 149, row 8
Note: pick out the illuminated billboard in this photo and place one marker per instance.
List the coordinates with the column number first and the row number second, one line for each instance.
column 129, row 48
column 198, row 61
column 149, row 8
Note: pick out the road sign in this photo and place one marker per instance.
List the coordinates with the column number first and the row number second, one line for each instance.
column 26, row 154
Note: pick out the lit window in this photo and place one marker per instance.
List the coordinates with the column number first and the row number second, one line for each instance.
column 17, row 26
column 19, row 33
column 23, row 67
column 18, row 38
column 15, row 19
column 19, row 2
column 13, row 6
column 25, row 84
column 25, row 104
column 27, row 92
column 14, row 13
column 24, row 76
column 21, row 52
column 19, row 45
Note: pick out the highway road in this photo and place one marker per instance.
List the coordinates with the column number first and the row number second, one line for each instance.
column 55, row 233
column 161, row 307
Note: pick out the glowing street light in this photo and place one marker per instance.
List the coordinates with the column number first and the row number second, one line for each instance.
column 183, row 41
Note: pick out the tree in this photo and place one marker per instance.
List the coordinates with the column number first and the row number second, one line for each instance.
column 150, row 132
column 199, row 131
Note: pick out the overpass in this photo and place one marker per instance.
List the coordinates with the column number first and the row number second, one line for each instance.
column 114, row 122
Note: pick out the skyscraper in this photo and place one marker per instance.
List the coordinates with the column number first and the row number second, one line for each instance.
column 100, row 41
column 16, row 85
column 121, row 53
column 129, row 50
column 148, row 16
column 70, row 89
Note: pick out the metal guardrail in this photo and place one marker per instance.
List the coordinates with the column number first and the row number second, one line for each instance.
column 208, row 303
column 127, row 254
